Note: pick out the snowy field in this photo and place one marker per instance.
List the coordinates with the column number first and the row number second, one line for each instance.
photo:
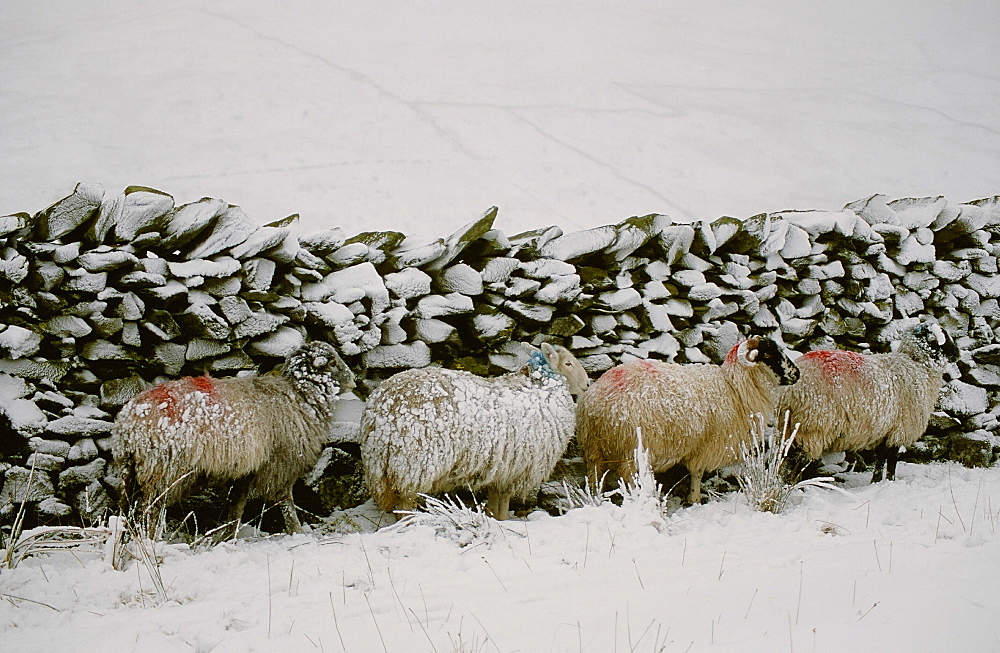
column 417, row 117
column 910, row 565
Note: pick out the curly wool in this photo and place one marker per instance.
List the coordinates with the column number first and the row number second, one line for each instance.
column 693, row 414
column 846, row 401
column 432, row 430
column 266, row 430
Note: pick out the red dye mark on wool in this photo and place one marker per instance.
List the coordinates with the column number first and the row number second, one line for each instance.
column 205, row 384
column 835, row 363
column 163, row 397
column 731, row 356
column 167, row 397
column 615, row 379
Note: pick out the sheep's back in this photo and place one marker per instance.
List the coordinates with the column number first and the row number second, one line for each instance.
column 182, row 425
column 432, row 430
column 677, row 407
column 290, row 430
column 916, row 386
column 845, row 401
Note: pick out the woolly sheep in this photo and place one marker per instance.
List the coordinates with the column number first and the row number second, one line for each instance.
column 691, row 414
column 432, row 430
column 260, row 433
column 846, row 401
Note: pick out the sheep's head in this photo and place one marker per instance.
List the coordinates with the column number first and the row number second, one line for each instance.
column 756, row 350
column 932, row 340
column 319, row 364
column 564, row 362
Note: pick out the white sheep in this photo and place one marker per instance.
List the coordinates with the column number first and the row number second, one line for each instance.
column 846, row 401
column 260, row 433
column 433, row 430
column 693, row 414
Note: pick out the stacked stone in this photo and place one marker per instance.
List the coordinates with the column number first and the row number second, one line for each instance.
column 102, row 295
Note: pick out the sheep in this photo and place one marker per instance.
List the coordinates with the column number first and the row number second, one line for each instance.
column 848, row 401
column 688, row 414
column 260, row 433
column 432, row 430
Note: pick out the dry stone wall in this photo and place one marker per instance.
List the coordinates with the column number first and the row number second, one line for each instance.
column 103, row 294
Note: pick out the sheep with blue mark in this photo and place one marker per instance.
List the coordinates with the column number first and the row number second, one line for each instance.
column 434, row 430
column 694, row 414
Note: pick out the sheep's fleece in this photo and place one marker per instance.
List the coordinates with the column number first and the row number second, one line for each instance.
column 848, row 401
column 694, row 414
column 262, row 432
column 432, row 430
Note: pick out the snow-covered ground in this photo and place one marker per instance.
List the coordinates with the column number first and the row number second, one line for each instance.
column 910, row 565
column 418, row 116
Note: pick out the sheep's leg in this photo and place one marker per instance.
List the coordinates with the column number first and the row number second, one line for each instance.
column 891, row 458
column 238, row 496
column 498, row 504
column 694, row 497
column 292, row 523
column 881, row 457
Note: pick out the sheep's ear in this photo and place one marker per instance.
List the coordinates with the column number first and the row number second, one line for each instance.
column 938, row 333
column 549, row 351
column 747, row 351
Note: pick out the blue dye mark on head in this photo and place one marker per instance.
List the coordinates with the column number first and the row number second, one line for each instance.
column 537, row 361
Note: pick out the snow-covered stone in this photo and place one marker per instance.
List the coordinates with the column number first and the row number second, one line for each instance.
column 259, row 323
column 964, row 399
column 620, row 300
column 263, row 239
column 22, row 485
column 580, row 243
column 462, row 278
column 407, row 355
column 438, row 305
column 560, row 289
column 704, row 292
column 278, row 344
column 144, row 210
column 914, row 213
column 985, row 285
column 433, row 330
column 324, row 241
column 70, row 212
column 492, row 326
column 408, row 283
column 689, row 278
column 24, row 415
column 222, row 266
column 78, row 427
column 541, row 313
column 18, row 342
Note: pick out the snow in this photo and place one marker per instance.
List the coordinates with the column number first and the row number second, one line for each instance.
column 906, row 565
column 417, row 118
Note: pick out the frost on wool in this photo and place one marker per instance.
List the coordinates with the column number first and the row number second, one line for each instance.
column 259, row 432
column 846, row 401
column 432, row 430
column 693, row 414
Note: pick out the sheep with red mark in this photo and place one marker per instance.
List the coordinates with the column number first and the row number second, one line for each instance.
column 432, row 430
column 260, row 433
column 693, row 414
column 846, row 401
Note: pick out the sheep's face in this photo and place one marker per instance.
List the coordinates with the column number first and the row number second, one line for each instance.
column 767, row 352
column 319, row 362
column 931, row 338
column 565, row 363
